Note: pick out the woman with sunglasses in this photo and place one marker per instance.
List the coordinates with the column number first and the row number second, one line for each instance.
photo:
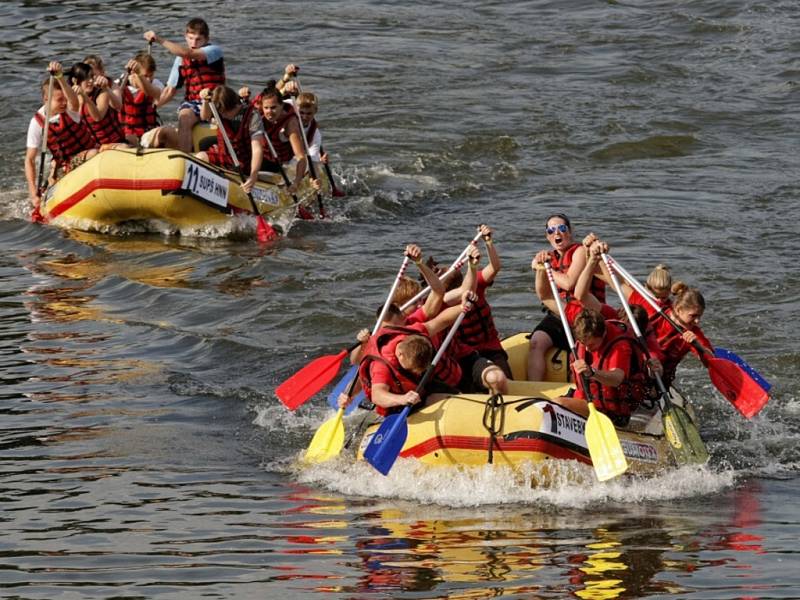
column 567, row 263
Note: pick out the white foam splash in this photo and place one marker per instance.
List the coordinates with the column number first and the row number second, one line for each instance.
column 572, row 485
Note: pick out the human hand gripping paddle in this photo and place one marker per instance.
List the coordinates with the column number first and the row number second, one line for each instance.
column 687, row 445
column 344, row 382
column 730, row 379
column 388, row 441
column 314, row 376
column 605, row 449
column 329, row 438
column 264, row 231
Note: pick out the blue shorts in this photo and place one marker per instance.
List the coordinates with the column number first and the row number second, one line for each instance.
column 193, row 105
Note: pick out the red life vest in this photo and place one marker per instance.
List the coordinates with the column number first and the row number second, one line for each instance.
column 107, row 130
column 138, row 113
column 478, row 329
column 618, row 402
column 561, row 263
column 673, row 346
column 381, row 347
column 238, row 130
column 197, row 75
column 66, row 138
column 278, row 137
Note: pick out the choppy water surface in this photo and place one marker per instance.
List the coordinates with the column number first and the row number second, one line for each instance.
column 142, row 450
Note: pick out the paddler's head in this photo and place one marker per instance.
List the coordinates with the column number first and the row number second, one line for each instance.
column 271, row 103
column 659, row 282
column 414, row 353
column 689, row 304
column 558, row 230
column 197, row 34
column 58, row 102
column 590, row 329
column 407, row 288
column 307, row 107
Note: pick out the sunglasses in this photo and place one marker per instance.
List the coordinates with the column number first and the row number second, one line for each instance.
column 560, row 228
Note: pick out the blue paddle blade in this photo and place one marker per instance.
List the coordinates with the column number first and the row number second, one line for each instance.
column 386, row 443
column 735, row 358
column 341, row 387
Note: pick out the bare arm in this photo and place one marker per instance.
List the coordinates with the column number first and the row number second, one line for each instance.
column 30, row 174
column 299, row 151
column 490, row 271
column 176, row 49
column 566, row 281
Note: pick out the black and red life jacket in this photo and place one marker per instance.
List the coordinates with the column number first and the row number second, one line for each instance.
column 66, row 138
column 138, row 112
column 107, row 130
column 278, row 136
column 478, row 330
column 238, row 130
column 197, row 75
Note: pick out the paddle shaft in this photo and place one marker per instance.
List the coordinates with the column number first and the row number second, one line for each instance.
column 567, row 329
column 632, row 320
column 311, row 169
column 336, row 191
column 456, row 265
column 45, row 130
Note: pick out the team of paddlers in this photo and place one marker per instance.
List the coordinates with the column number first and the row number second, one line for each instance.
column 617, row 367
column 85, row 112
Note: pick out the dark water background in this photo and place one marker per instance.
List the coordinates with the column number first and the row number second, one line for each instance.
column 142, row 450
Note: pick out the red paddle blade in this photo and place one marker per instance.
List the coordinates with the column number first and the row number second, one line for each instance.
column 337, row 193
column 309, row 380
column 264, row 231
column 737, row 386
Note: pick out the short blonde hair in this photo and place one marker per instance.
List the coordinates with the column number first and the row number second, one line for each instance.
column 307, row 99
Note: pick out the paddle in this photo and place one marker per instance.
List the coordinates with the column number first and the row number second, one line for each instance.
column 605, row 449
column 36, row 214
column 312, row 170
column 335, row 191
column 328, row 441
column 344, row 384
column 729, row 378
column 351, row 373
column 733, row 357
column 264, row 231
column 388, row 441
column 687, row 445
column 314, row 376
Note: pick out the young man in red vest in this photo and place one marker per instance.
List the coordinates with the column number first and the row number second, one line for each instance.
column 198, row 65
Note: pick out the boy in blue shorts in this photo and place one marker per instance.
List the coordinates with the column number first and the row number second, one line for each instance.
column 198, row 65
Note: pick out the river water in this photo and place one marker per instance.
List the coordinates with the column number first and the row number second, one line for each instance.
column 143, row 452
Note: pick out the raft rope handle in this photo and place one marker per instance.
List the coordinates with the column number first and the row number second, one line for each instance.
column 494, row 405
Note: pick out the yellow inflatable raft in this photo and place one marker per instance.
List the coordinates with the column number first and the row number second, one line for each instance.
column 524, row 426
column 121, row 186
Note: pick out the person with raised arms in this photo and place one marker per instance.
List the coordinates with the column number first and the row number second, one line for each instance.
column 198, row 65
column 68, row 138
column 396, row 358
column 140, row 93
column 282, row 135
column 241, row 123
column 95, row 101
column 567, row 260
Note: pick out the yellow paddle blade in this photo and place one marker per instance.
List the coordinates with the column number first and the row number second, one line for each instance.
column 328, row 441
column 604, row 447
